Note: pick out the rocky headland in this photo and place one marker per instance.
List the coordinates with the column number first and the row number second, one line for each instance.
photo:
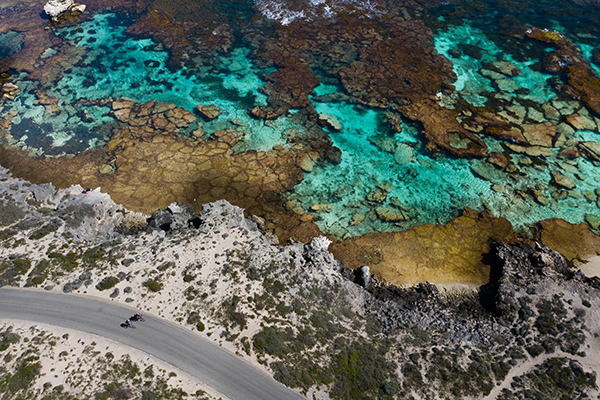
column 468, row 307
column 297, row 311
column 404, row 75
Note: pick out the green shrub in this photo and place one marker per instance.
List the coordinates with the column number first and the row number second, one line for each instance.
column 25, row 373
column 152, row 285
column 556, row 378
column 270, row 340
column 390, row 388
column 10, row 212
column 107, row 283
column 359, row 370
column 45, row 230
column 8, row 338
column 22, row 265
column 67, row 262
column 586, row 303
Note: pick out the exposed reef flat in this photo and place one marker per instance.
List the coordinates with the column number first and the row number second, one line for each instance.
column 293, row 310
column 147, row 166
column 450, row 254
column 389, row 119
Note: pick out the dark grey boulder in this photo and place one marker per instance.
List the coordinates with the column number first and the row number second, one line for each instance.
column 74, row 285
column 362, row 277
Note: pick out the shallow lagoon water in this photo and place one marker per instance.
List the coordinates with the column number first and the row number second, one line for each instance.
column 119, row 66
column 435, row 188
column 428, row 188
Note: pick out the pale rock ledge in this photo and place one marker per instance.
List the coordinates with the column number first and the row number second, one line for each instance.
column 56, row 8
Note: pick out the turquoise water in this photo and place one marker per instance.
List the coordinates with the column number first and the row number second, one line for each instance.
column 387, row 180
column 11, row 42
column 435, row 188
column 113, row 64
column 472, row 84
column 587, row 53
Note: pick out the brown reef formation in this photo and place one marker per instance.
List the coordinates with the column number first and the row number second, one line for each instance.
column 447, row 254
column 160, row 153
column 442, row 130
column 559, row 235
column 377, row 63
column 581, row 82
column 454, row 253
column 147, row 165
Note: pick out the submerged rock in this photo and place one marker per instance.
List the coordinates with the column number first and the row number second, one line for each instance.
column 586, row 84
column 581, row 122
column 293, row 206
column 308, row 161
column 539, row 197
column 569, row 153
column 540, row 134
column 357, row 219
column 593, row 221
column 404, row 154
column 534, row 151
column 590, row 150
column 442, row 130
column 383, row 143
column 505, row 67
column 10, row 88
column 330, row 121
column 377, row 195
column 321, row 207
column 547, row 36
column 209, row 112
column 563, row 181
column 387, row 214
column 229, row 136
column 498, row 159
column 511, row 134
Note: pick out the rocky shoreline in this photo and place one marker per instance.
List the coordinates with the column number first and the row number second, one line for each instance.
column 297, row 312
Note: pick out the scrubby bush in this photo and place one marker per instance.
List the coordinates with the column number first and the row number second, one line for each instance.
column 270, row 340
column 107, row 283
column 152, row 285
column 10, row 212
column 45, row 230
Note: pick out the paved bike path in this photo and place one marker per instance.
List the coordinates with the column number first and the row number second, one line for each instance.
column 195, row 355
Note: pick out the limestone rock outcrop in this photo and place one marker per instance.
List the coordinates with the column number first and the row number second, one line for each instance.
column 57, row 8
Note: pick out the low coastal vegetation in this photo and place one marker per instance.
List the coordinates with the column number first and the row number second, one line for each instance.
column 91, row 371
column 297, row 311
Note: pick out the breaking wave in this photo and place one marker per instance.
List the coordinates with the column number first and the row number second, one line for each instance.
column 287, row 11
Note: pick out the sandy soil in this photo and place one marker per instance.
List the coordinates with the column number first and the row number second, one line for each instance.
column 68, row 358
column 592, row 267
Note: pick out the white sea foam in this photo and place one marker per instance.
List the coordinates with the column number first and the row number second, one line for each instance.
column 287, row 11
